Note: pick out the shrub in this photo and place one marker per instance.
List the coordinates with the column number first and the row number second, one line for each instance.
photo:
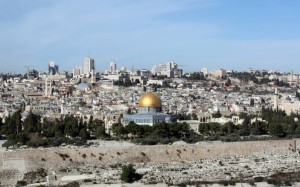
column 275, row 182
column 258, row 179
column 128, row 173
column 221, row 163
column 21, row 183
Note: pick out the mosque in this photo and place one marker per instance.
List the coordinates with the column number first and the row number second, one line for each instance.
column 150, row 111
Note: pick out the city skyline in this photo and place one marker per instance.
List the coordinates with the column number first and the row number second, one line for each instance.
column 213, row 34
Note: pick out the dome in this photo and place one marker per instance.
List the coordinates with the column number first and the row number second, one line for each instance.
column 83, row 86
column 150, row 99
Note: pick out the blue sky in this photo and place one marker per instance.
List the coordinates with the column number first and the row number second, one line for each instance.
column 228, row 34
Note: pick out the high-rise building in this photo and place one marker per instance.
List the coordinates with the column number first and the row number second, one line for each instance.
column 219, row 73
column 52, row 68
column 122, row 69
column 77, row 71
column 88, row 65
column 204, row 71
column 112, row 67
column 170, row 69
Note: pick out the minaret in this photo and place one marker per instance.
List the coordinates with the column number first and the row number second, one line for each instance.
column 62, row 107
column 292, row 78
column 93, row 76
column 190, row 108
column 46, row 87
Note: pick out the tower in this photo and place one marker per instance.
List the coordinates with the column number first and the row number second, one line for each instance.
column 88, row 65
column 112, row 67
column 93, row 76
column 47, row 88
column 52, row 68
column 77, row 71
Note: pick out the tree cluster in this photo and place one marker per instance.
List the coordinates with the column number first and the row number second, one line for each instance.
column 160, row 133
column 280, row 124
column 275, row 123
column 34, row 131
column 195, row 76
column 244, row 76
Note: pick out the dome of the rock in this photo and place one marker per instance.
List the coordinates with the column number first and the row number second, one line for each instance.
column 150, row 99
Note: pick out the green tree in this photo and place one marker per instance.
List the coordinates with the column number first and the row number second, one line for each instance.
column 83, row 134
column 32, row 123
column 215, row 127
column 100, row 132
column 162, row 130
column 194, row 116
column 275, row 129
column 228, row 82
column 259, row 128
column 128, row 173
column 13, row 124
column 71, row 126
column 204, row 128
column 228, row 128
column 179, row 130
column 217, row 114
column 133, row 128
column 252, row 102
column 17, row 120
column 118, row 129
column 90, row 121
column 245, row 127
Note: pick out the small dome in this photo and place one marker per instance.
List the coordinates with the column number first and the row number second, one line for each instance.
column 150, row 99
column 83, row 86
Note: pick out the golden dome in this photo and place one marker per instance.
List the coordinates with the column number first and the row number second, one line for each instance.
column 150, row 99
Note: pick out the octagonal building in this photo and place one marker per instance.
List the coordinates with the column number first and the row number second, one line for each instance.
column 150, row 111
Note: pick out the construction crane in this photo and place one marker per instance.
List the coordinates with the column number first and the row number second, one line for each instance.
column 28, row 68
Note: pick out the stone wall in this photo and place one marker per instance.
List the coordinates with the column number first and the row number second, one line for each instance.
column 55, row 158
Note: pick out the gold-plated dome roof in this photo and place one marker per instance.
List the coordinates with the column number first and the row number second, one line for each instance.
column 150, row 99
